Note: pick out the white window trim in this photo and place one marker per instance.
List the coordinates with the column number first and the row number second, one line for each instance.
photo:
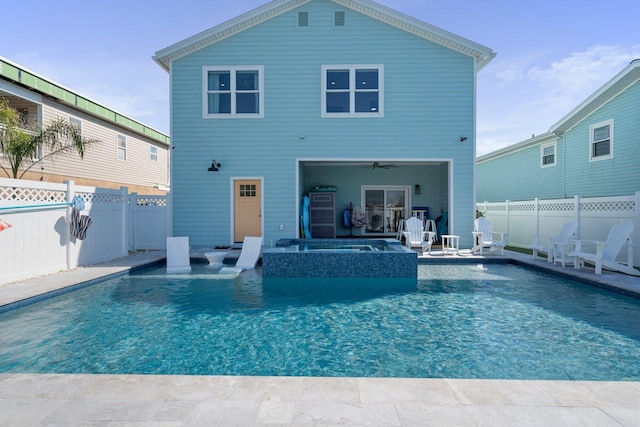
column 352, row 68
column 79, row 122
column 553, row 144
column 233, row 70
column 591, row 141
column 121, row 148
column 153, row 153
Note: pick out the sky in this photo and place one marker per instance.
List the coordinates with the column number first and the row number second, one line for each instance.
column 551, row 55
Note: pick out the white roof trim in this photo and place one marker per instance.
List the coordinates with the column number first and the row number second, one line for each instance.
column 274, row 8
column 518, row 146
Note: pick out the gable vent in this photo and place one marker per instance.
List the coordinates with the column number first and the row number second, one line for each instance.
column 339, row 19
column 303, row 19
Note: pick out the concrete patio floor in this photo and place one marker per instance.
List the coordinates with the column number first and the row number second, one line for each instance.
column 167, row 400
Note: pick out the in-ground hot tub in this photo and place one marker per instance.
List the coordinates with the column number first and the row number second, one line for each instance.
column 377, row 258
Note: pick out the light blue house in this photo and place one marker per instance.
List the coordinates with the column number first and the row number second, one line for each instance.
column 592, row 151
column 372, row 109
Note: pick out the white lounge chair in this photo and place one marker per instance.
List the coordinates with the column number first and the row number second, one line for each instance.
column 249, row 255
column 178, row 260
column 483, row 237
column 556, row 247
column 414, row 235
column 607, row 251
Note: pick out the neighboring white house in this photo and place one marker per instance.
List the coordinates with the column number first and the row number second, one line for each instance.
column 129, row 154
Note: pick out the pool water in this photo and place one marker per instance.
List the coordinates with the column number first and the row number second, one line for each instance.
column 455, row 321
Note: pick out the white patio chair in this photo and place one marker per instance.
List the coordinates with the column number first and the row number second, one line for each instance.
column 556, row 247
column 606, row 252
column 485, row 237
column 414, row 235
column 251, row 247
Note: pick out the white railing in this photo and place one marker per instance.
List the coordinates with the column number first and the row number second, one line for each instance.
column 596, row 216
column 40, row 242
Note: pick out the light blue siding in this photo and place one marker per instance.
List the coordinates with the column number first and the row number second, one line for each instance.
column 610, row 177
column 520, row 176
column 429, row 104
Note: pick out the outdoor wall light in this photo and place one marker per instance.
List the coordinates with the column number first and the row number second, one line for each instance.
column 463, row 138
column 214, row 166
column 416, row 189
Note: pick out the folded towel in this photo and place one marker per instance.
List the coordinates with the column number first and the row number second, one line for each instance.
column 79, row 224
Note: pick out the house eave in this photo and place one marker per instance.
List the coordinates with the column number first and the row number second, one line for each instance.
column 518, row 146
column 481, row 54
column 29, row 80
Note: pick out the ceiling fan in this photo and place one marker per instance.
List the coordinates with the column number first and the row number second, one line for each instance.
column 383, row 166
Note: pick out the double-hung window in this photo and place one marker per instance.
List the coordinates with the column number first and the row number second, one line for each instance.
column 352, row 91
column 548, row 154
column 122, row 147
column 153, row 153
column 233, row 92
column 601, row 141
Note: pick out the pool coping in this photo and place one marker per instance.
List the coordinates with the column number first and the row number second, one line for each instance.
column 173, row 400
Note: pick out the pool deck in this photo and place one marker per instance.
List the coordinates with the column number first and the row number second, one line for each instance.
column 168, row 400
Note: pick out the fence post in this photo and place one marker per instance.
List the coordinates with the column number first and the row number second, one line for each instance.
column 169, row 216
column 506, row 207
column 71, row 263
column 124, row 239
column 636, row 229
column 536, row 212
column 576, row 210
column 133, row 218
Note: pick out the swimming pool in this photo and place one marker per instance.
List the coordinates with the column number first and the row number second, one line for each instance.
column 455, row 321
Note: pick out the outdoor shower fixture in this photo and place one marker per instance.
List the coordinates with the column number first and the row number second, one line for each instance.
column 214, row 166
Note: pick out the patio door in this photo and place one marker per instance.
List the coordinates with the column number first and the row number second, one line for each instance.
column 247, row 219
column 385, row 208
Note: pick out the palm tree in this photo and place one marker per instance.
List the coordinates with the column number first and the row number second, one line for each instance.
column 20, row 146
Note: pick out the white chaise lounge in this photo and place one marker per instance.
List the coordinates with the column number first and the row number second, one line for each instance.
column 178, row 260
column 251, row 247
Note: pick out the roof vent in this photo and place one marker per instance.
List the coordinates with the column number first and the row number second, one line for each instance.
column 303, row 19
column 339, row 19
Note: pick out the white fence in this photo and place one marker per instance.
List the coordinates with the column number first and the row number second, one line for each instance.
column 40, row 242
column 596, row 215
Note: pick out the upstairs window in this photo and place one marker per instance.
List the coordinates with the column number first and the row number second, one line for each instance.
column 548, row 155
column 303, row 19
column 339, row 19
column 153, row 153
column 76, row 122
column 232, row 92
column 122, row 147
column 601, row 141
column 352, row 91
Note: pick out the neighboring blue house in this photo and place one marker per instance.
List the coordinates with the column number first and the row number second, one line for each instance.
column 344, row 95
column 592, row 151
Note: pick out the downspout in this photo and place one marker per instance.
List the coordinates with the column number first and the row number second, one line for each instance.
column 564, row 162
column 564, row 165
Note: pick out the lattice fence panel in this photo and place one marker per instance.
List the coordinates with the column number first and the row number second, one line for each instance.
column 38, row 195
